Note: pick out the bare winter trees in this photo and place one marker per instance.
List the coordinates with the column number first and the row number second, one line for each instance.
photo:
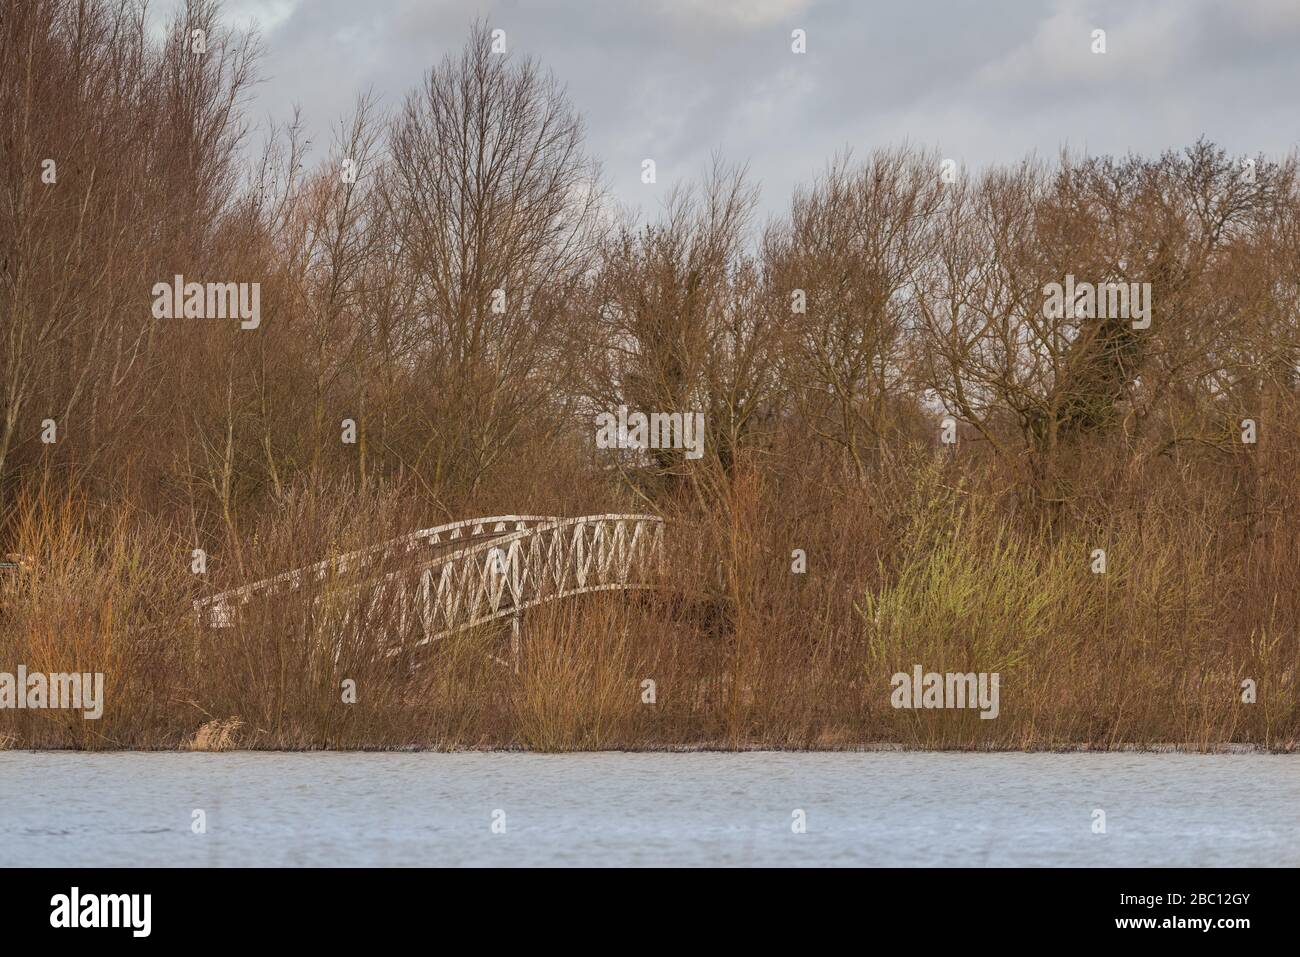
column 1040, row 382
column 679, row 321
column 493, row 206
column 115, row 155
column 448, row 302
column 446, row 294
column 855, row 251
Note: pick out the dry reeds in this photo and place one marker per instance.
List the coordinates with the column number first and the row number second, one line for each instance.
column 736, row 650
column 823, row 538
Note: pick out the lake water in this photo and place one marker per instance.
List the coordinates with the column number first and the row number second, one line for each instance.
column 879, row 808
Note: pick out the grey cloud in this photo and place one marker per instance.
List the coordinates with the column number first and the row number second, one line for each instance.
column 677, row 80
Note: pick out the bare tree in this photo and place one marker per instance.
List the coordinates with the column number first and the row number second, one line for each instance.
column 116, row 157
column 858, row 240
column 495, row 208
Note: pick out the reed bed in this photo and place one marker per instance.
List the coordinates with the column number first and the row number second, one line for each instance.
column 735, row 650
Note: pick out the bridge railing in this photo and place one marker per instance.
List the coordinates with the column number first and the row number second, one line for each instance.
column 499, row 576
column 218, row 611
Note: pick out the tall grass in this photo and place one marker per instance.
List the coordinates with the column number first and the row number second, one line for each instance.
column 740, row 649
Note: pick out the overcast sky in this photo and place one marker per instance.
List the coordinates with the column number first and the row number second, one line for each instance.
column 675, row 80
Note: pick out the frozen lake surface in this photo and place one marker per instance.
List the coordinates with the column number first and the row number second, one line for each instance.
column 878, row 808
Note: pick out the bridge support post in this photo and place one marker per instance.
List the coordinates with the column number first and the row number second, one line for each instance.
column 515, row 623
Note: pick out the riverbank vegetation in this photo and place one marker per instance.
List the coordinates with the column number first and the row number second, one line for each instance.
column 908, row 460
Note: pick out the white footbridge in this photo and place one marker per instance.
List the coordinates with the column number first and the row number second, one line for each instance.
column 458, row 576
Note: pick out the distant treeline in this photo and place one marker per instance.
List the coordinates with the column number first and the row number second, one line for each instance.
column 891, row 379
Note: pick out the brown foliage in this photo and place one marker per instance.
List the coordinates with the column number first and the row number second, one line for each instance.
column 469, row 300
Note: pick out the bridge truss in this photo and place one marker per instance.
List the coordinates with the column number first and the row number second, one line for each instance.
column 458, row 576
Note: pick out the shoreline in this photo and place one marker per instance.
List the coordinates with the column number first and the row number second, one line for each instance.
column 893, row 748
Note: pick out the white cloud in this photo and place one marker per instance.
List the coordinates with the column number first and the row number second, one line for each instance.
column 1145, row 42
column 736, row 13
